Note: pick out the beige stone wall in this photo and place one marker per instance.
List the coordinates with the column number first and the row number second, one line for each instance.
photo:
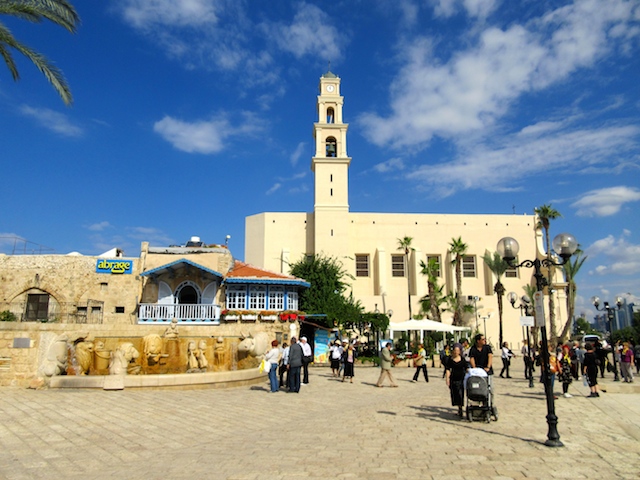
column 18, row 366
column 72, row 282
column 377, row 234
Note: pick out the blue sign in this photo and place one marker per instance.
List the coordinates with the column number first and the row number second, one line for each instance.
column 104, row 265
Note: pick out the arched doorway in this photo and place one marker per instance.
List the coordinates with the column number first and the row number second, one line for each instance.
column 188, row 293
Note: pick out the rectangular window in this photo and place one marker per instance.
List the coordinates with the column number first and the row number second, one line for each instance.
column 469, row 266
column 511, row 272
column 397, row 265
column 119, row 309
column 276, row 298
column 257, row 297
column 236, row 298
column 362, row 265
column 436, row 259
column 37, row 307
column 292, row 300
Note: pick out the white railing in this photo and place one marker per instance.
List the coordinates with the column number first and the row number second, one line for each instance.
column 184, row 313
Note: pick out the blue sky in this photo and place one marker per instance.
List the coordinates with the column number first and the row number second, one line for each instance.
column 190, row 115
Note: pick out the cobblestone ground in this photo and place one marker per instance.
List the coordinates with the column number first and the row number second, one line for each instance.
column 329, row 430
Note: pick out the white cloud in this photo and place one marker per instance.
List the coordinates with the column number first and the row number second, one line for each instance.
column 295, row 156
column 206, row 137
column 518, row 158
column 605, row 201
column 623, row 258
column 390, row 165
column 474, row 88
column 312, row 32
column 158, row 13
column 473, row 8
column 274, row 188
column 100, row 226
column 54, row 121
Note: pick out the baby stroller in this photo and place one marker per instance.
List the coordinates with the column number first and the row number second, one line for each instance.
column 479, row 396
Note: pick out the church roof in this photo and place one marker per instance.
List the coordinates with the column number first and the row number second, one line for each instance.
column 246, row 273
column 329, row 74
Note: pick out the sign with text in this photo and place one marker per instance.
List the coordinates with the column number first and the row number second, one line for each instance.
column 104, row 265
column 527, row 321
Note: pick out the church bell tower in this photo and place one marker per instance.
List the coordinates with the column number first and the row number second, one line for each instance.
column 330, row 166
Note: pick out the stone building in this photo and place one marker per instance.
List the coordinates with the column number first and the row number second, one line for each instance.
column 110, row 295
column 367, row 243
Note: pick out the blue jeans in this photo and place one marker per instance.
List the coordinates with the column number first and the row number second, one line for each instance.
column 273, row 377
column 294, row 379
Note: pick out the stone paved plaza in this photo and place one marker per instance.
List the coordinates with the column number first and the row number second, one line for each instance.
column 329, row 430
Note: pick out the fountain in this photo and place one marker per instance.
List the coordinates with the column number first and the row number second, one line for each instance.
column 167, row 360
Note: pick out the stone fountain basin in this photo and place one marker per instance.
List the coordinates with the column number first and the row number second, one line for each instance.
column 234, row 378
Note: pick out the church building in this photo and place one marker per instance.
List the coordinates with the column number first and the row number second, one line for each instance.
column 367, row 242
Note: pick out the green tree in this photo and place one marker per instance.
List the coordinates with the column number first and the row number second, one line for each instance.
column 545, row 214
column 327, row 292
column 571, row 269
column 458, row 250
column 498, row 266
column 61, row 13
column 431, row 303
column 404, row 244
column 583, row 327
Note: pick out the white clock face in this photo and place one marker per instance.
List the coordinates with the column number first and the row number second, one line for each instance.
column 330, row 88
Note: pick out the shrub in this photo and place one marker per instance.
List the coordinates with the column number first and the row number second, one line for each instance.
column 8, row 316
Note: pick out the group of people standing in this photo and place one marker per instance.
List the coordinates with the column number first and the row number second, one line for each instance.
column 290, row 360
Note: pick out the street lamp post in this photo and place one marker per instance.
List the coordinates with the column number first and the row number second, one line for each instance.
column 611, row 313
column 524, row 307
column 564, row 245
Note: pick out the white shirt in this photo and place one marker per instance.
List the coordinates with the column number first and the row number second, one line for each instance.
column 306, row 349
column 272, row 355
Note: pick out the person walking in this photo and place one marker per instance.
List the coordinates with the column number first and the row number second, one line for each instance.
column 336, row 352
column 481, row 354
column 590, row 369
column 444, row 355
column 420, row 362
column 601, row 355
column 506, row 355
column 349, row 360
column 272, row 357
column 564, row 370
column 307, row 358
column 455, row 370
column 284, row 364
column 636, row 356
column 385, row 366
column 626, row 360
column 295, row 362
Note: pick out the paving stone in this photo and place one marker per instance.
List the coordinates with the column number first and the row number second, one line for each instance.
column 329, row 430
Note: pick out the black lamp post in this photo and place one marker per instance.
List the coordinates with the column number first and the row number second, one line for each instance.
column 525, row 307
column 611, row 314
column 564, row 245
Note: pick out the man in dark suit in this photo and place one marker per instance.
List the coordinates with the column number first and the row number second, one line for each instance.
column 295, row 363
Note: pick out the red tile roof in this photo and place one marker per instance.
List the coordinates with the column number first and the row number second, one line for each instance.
column 244, row 270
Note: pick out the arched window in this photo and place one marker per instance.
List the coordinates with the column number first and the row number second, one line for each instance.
column 331, row 116
column 331, row 147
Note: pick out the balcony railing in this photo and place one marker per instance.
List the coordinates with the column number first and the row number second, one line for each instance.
column 184, row 313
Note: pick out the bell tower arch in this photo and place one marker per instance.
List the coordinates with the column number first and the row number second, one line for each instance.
column 330, row 166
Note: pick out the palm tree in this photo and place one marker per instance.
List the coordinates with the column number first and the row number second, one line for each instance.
column 404, row 244
column 435, row 297
column 458, row 250
column 60, row 12
column 497, row 266
column 571, row 269
column 545, row 214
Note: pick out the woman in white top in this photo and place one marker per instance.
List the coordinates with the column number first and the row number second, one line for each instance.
column 272, row 357
column 506, row 359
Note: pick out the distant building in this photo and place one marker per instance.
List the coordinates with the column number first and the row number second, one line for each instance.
column 367, row 243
